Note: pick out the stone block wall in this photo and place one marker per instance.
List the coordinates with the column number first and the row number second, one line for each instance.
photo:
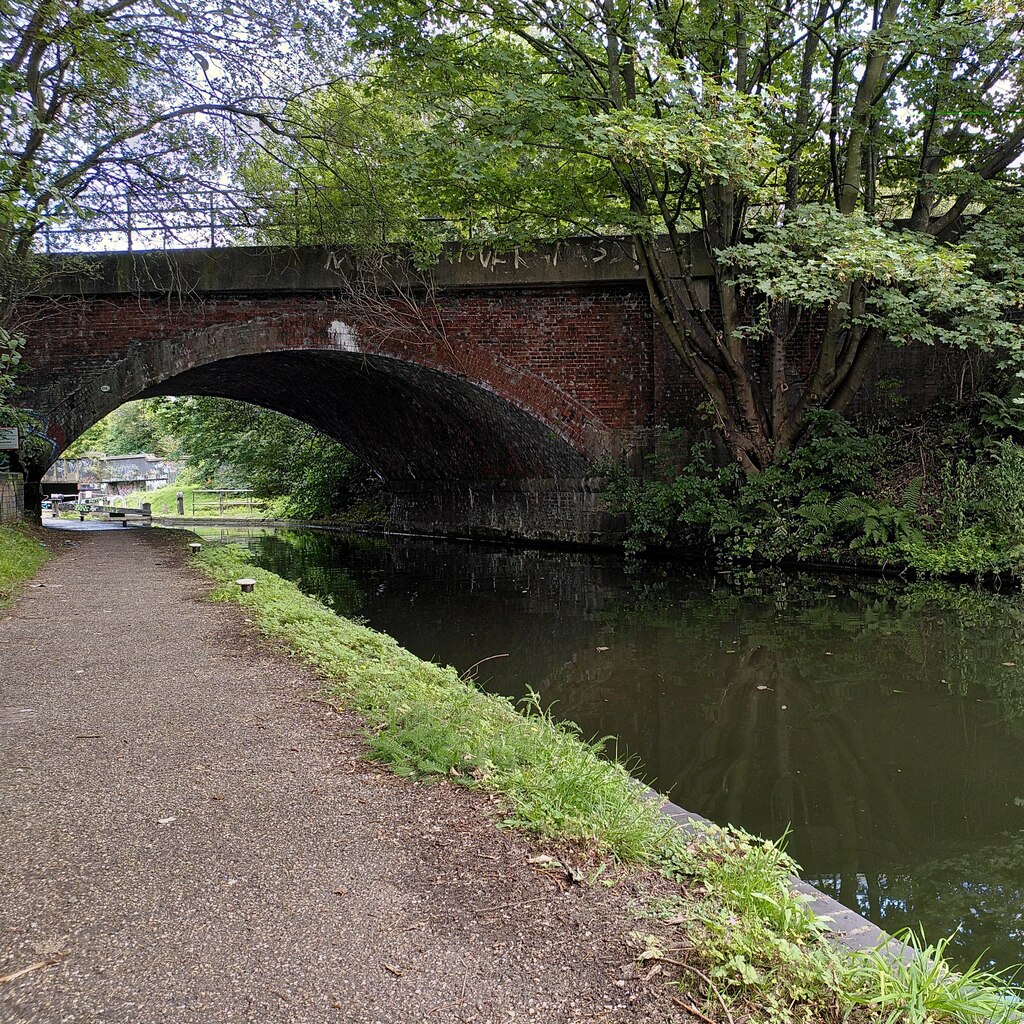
column 12, row 500
column 545, row 511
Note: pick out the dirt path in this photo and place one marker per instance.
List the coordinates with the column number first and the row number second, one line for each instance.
column 186, row 838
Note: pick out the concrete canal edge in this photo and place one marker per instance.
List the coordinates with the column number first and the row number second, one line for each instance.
column 845, row 926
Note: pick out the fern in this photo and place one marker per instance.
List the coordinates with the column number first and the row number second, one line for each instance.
column 818, row 514
column 910, row 502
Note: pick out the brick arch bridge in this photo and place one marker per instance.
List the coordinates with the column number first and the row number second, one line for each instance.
column 487, row 403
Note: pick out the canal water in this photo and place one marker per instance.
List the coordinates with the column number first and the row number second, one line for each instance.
column 878, row 724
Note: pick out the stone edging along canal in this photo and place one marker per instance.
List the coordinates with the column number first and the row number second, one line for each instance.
column 846, row 926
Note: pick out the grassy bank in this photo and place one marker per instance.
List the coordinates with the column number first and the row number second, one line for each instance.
column 747, row 948
column 164, row 502
column 22, row 552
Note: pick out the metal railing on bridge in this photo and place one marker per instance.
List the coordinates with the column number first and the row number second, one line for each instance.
column 227, row 216
column 213, row 220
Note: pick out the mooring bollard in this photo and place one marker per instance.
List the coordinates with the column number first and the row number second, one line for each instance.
column 195, row 548
column 124, row 522
column 246, row 585
column 81, row 517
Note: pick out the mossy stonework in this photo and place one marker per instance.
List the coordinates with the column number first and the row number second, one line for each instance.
column 12, row 497
column 746, row 930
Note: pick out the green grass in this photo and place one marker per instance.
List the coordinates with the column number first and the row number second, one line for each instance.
column 748, row 946
column 921, row 988
column 22, row 552
column 164, row 502
column 427, row 721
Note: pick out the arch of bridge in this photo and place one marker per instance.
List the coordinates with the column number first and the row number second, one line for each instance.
column 512, row 368
column 427, row 402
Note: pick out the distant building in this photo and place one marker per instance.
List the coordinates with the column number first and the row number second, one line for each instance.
column 96, row 475
column 123, row 474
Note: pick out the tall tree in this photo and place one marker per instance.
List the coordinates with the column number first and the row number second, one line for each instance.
column 850, row 168
column 114, row 111
column 111, row 109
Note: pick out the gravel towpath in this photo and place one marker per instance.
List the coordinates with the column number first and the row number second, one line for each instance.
column 186, row 837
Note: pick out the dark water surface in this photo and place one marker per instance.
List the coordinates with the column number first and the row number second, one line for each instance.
column 882, row 723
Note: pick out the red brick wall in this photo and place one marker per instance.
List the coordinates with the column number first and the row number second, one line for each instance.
column 584, row 362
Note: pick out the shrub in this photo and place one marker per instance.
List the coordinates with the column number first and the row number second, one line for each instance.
column 782, row 513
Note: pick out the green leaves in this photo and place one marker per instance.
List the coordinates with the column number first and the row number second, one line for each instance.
column 813, row 256
column 718, row 138
column 11, row 346
column 902, row 283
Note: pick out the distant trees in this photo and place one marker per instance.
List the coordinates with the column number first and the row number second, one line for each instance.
column 243, row 445
column 134, row 427
column 234, row 444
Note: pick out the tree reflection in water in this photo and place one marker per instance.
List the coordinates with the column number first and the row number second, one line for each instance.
column 880, row 721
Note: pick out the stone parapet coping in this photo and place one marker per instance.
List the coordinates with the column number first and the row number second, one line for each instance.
column 582, row 261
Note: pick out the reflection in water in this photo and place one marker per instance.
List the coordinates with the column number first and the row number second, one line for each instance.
column 880, row 721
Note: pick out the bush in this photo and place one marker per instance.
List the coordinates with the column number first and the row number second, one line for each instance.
column 840, row 495
column 785, row 512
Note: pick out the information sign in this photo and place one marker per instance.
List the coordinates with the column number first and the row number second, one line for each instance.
column 9, row 439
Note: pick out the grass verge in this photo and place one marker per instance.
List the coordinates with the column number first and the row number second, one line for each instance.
column 22, row 552
column 746, row 945
column 164, row 502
